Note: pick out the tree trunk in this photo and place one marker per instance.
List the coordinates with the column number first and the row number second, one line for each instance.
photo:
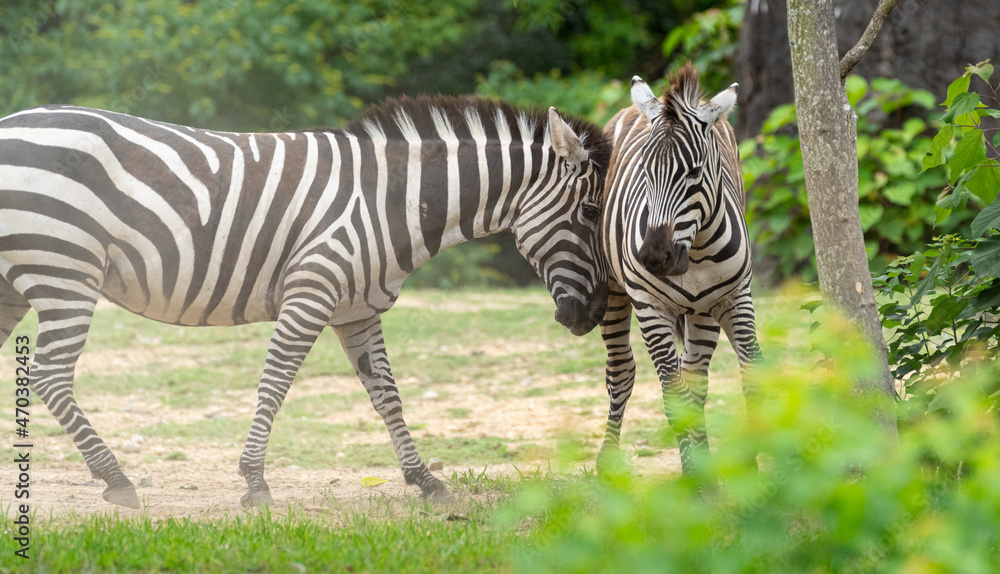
column 925, row 44
column 828, row 135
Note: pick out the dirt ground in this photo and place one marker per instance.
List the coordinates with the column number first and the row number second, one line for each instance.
column 206, row 484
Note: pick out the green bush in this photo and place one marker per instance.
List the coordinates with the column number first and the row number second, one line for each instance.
column 897, row 198
column 941, row 305
column 833, row 494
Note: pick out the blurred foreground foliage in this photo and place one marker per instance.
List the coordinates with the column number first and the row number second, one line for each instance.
column 832, row 495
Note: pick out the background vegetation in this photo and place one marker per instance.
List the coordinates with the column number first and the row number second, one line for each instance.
column 830, row 498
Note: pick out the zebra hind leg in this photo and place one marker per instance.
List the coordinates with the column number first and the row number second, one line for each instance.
column 739, row 323
column 13, row 308
column 294, row 335
column 365, row 347
column 619, row 372
column 63, row 325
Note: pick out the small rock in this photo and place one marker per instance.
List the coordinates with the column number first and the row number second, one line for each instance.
column 435, row 464
column 145, row 480
column 643, row 442
column 430, row 395
column 334, row 480
column 128, row 409
column 283, row 461
column 340, row 456
column 130, row 447
column 298, row 567
column 219, row 417
column 138, row 439
column 189, row 487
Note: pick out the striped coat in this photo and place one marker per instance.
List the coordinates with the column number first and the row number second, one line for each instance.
column 678, row 253
column 309, row 229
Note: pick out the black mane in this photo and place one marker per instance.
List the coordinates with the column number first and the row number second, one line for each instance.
column 419, row 109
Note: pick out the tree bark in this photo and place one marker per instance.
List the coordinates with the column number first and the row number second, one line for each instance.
column 828, row 135
column 924, row 43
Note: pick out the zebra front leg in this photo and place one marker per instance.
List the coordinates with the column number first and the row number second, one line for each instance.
column 619, row 372
column 365, row 347
column 62, row 332
column 683, row 404
column 293, row 337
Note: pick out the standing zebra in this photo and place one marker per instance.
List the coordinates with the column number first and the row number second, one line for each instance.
column 310, row 229
column 678, row 253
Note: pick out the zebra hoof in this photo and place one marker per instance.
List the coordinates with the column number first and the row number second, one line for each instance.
column 124, row 496
column 439, row 496
column 258, row 498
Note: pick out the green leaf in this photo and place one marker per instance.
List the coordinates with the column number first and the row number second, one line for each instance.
column 945, row 311
column 988, row 218
column 959, row 86
column 984, row 71
column 988, row 298
column 986, row 259
column 857, row 87
column 963, row 104
column 927, row 282
column 935, row 155
column 985, row 182
column 917, row 265
column 969, row 153
column 870, row 215
column 902, row 193
column 811, row 306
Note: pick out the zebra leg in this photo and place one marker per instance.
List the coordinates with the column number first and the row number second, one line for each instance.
column 619, row 372
column 13, row 308
column 701, row 337
column 294, row 335
column 739, row 323
column 365, row 347
column 683, row 405
column 63, row 324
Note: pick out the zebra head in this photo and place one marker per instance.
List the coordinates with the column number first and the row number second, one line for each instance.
column 556, row 225
column 681, row 168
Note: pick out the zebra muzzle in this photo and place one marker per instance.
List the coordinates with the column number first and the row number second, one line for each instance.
column 660, row 255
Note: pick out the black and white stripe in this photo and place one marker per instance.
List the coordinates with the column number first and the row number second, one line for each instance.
column 309, row 229
column 678, row 253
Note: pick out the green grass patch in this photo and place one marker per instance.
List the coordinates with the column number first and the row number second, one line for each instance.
column 262, row 543
column 459, row 413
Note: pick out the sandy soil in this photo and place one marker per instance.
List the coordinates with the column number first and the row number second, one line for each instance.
column 207, row 485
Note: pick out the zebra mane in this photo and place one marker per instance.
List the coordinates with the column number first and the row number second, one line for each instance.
column 394, row 118
column 683, row 93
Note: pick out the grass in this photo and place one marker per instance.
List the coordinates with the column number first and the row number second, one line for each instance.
column 500, row 345
column 262, row 542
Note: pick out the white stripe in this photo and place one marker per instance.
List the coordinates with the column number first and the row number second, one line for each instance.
column 165, row 153
column 253, row 148
column 210, row 156
column 453, row 228
column 479, row 136
column 224, row 311
column 232, row 198
column 418, row 251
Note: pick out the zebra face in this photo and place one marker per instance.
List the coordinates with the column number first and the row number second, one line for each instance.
column 681, row 170
column 556, row 230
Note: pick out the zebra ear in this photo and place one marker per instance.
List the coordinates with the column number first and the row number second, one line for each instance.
column 643, row 97
column 564, row 140
column 719, row 106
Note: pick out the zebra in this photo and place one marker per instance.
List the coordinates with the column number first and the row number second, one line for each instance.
column 678, row 255
column 307, row 229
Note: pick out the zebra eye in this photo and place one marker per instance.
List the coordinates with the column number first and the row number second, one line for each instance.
column 694, row 172
column 591, row 212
